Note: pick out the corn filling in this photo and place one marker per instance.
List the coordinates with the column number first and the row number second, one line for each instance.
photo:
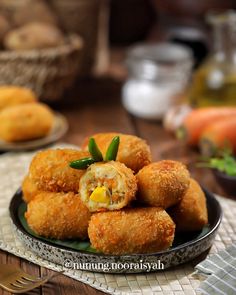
column 100, row 195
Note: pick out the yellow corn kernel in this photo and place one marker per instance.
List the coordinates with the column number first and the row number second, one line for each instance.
column 100, row 195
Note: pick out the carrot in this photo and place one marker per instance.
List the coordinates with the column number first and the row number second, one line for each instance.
column 196, row 121
column 218, row 135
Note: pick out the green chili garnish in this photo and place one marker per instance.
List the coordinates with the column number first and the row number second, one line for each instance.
column 96, row 155
column 82, row 163
column 113, row 149
column 94, row 150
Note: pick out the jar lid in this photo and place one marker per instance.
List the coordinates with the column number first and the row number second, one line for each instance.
column 159, row 61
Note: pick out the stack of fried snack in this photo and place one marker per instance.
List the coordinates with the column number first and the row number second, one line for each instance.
column 120, row 205
column 22, row 117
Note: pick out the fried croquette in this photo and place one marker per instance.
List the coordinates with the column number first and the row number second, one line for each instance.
column 58, row 216
column 107, row 186
column 140, row 230
column 29, row 189
column 25, row 122
column 163, row 183
column 14, row 95
column 50, row 170
column 191, row 213
column 133, row 151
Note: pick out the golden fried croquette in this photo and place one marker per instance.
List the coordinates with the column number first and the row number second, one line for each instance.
column 133, row 151
column 25, row 122
column 107, row 186
column 29, row 189
column 58, row 216
column 163, row 183
column 50, row 170
column 140, row 230
column 15, row 95
column 191, row 213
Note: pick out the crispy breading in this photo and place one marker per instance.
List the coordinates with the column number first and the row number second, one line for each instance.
column 191, row 213
column 25, row 122
column 58, row 215
column 163, row 183
column 133, row 151
column 50, row 170
column 29, row 189
column 14, row 95
column 118, row 180
column 140, row 230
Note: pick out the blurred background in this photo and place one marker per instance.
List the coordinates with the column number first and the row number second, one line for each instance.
column 151, row 60
column 96, row 35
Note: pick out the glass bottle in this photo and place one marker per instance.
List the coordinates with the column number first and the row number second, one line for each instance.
column 158, row 76
column 214, row 83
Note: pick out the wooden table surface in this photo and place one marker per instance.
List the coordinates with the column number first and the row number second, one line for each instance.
column 95, row 106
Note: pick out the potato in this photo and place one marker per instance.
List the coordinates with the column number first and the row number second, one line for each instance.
column 4, row 27
column 34, row 35
column 21, row 12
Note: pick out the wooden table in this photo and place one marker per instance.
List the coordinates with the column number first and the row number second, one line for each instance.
column 95, row 106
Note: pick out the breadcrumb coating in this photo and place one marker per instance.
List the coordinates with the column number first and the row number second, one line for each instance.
column 133, row 151
column 139, row 230
column 58, row 216
column 25, row 122
column 14, row 95
column 191, row 213
column 29, row 189
column 50, row 170
column 163, row 183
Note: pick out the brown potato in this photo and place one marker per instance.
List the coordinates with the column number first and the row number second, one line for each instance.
column 33, row 35
column 25, row 122
column 140, row 230
column 163, row 183
column 58, row 216
column 191, row 213
column 133, row 151
column 50, row 170
column 4, row 26
column 11, row 95
column 31, row 11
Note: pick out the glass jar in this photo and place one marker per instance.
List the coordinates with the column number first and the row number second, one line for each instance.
column 214, row 83
column 158, row 75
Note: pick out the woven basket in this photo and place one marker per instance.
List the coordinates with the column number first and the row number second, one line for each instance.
column 81, row 17
column 49, row 72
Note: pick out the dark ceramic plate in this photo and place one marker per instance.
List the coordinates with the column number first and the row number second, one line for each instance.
column 80, row 255
column 228, row 183
column 59, row 128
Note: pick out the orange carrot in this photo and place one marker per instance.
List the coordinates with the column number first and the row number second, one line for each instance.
column 217, row 135
column 196, row 121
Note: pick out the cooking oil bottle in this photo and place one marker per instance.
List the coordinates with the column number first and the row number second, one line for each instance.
column 214, row 83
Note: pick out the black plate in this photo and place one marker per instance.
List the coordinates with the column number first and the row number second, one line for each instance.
column 185, row 248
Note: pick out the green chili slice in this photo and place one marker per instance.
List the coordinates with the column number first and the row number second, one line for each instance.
column 94, row 150
column 113, row 149
column 82, row 163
